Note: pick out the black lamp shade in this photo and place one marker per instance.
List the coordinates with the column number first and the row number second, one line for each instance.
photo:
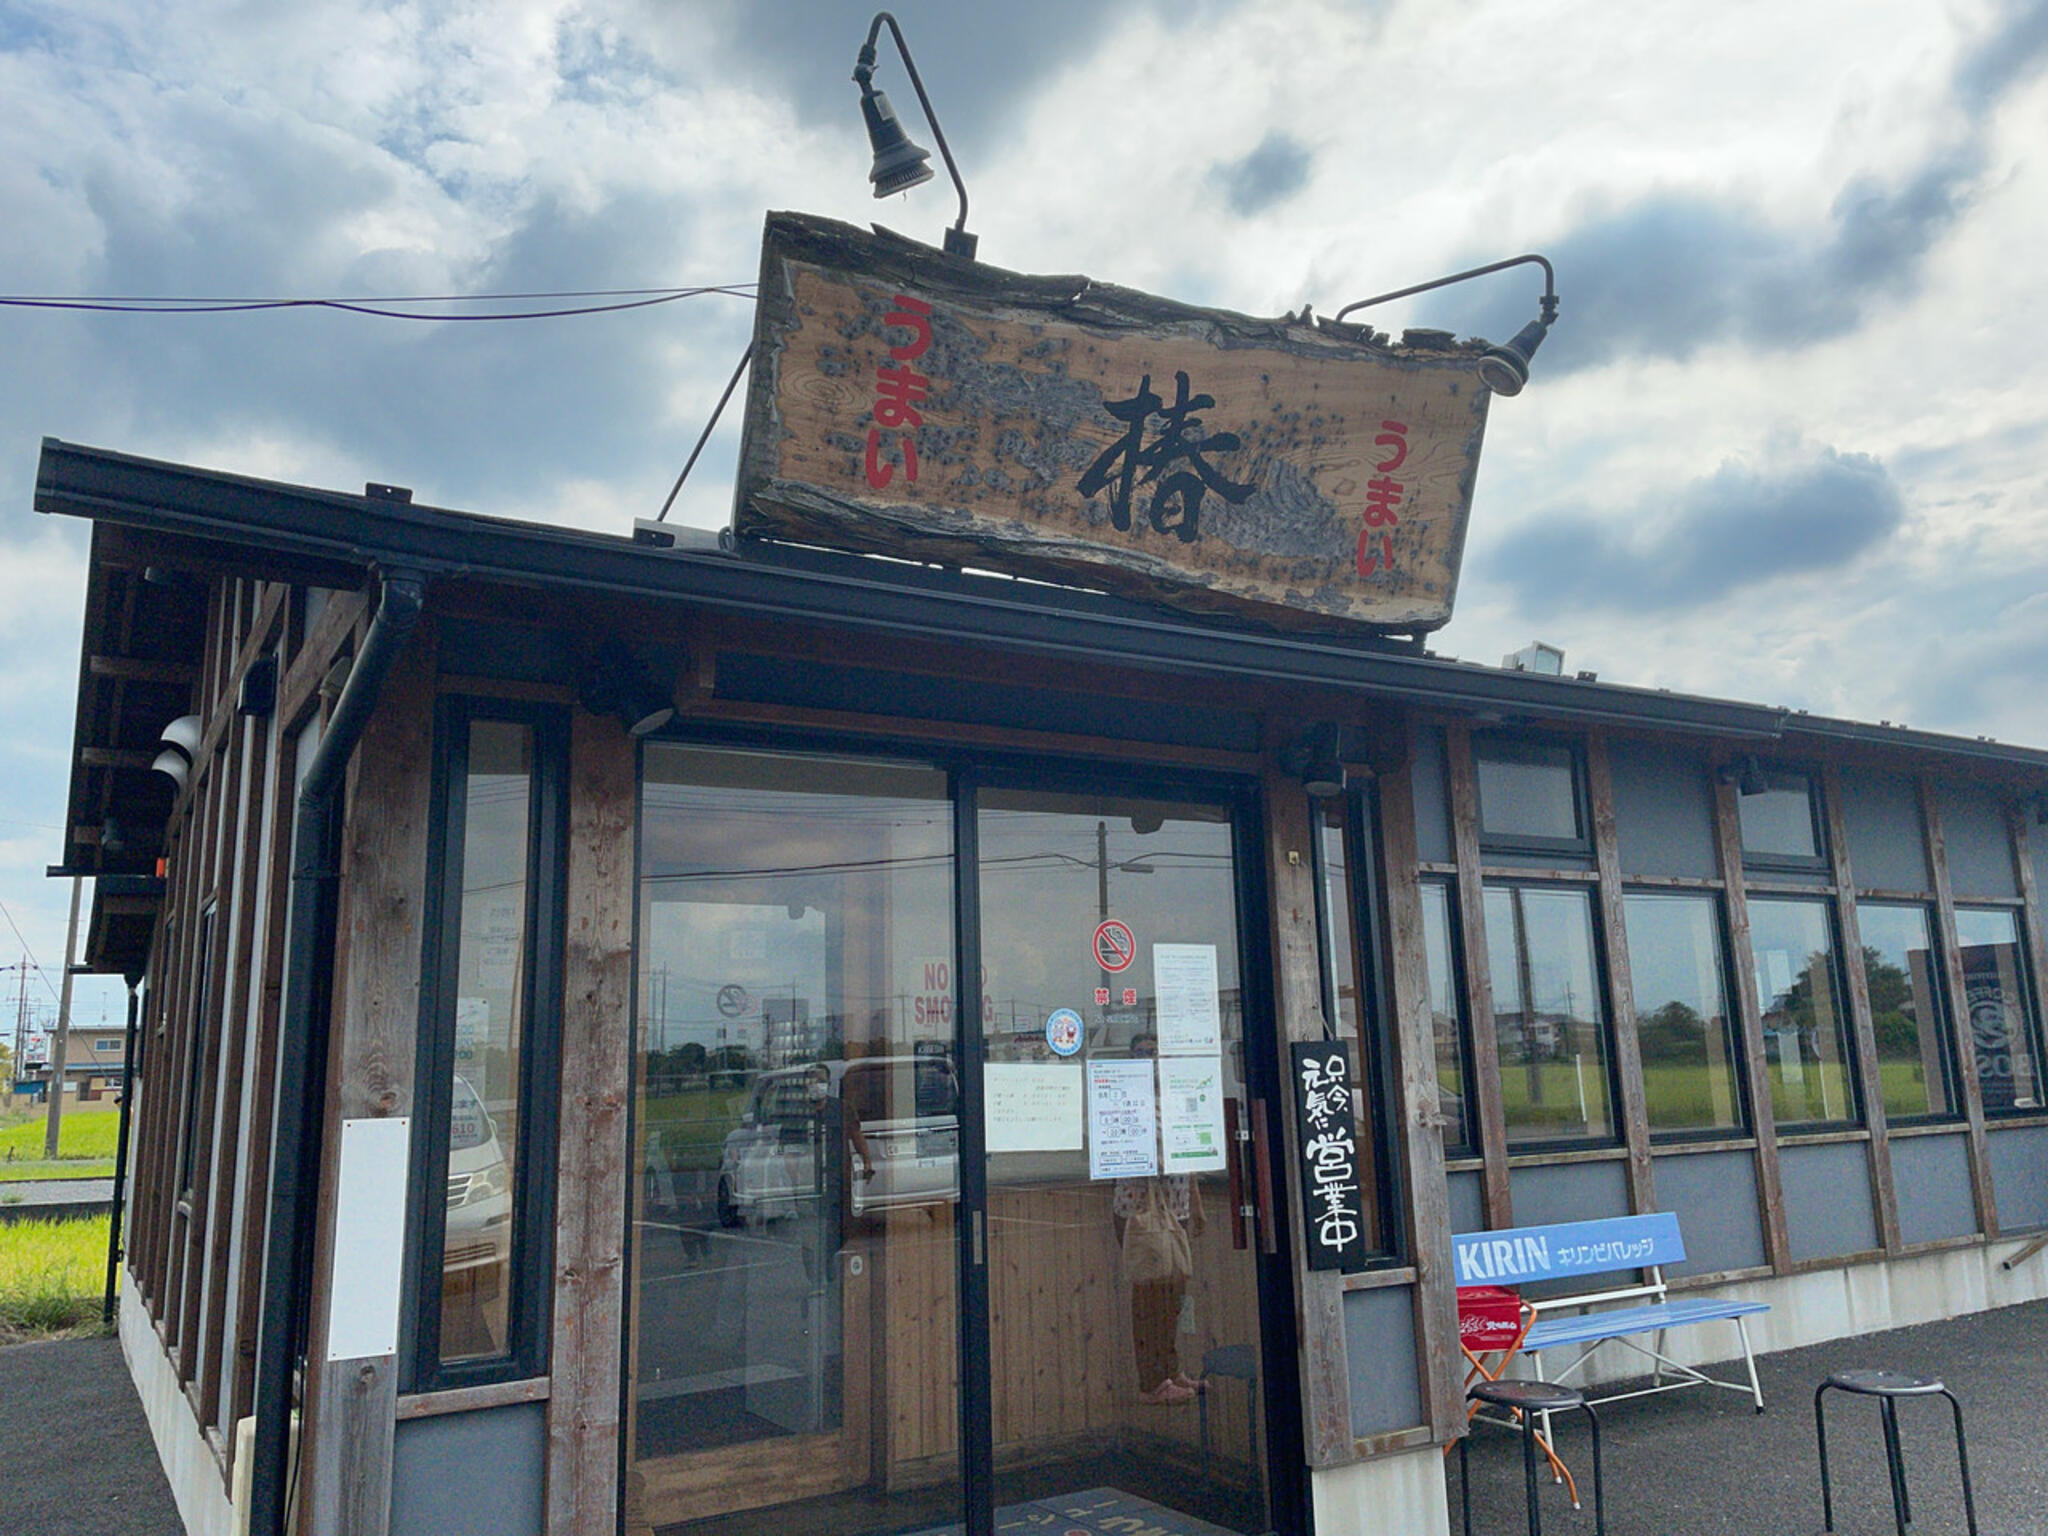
column 1504, row 370
column 899, row 163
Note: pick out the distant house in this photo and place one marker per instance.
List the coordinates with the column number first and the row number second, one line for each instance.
column 939, row 911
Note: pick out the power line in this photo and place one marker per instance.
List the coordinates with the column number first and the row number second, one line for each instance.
column 629, row 298
column 37, row 964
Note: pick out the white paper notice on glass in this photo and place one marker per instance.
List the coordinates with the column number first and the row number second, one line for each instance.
column 1191, row 1113
column 1184, row 985
column 1123, row 1120
column 1033, row 1106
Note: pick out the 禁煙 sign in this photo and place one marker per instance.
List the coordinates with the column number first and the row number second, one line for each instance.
column 908, row 403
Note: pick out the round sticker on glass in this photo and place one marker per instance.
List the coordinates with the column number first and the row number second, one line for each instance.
column 1063, row 1032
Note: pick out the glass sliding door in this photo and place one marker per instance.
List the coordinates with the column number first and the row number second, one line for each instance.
column 1126, row 1368
column 793, row 1299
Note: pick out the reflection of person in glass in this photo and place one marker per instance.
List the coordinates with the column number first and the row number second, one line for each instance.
column 1156, row 1222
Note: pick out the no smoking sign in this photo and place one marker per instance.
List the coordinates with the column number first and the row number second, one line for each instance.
column 1115, row 949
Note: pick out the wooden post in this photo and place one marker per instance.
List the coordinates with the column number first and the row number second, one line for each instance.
column 1298, row 1012
column 1769, row 1187
column 1628, row 1052
column 1486, row 1094
column 60, row 1042
column 1965, row 1041
column 1884, row 1195
column 351, row 1405
column 591, row 1184
column 1425, row 1192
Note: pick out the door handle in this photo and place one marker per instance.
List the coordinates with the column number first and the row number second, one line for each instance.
column 1234, row 1138
column 1262, row 1178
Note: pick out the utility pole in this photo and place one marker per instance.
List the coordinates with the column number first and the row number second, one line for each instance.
column 63, row 1033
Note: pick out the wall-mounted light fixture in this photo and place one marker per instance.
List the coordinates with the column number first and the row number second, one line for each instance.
column 615, row 682
column 1314, row 759
column 1747, row 775
column 1502, row 369
column 900, row 163
column 175, row 750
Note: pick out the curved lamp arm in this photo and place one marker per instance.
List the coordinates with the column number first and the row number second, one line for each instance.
column 958, row 241
column 1549, row 282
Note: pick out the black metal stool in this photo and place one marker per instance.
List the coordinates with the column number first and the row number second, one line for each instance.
column 1888, row 1387
column 1527, row 1399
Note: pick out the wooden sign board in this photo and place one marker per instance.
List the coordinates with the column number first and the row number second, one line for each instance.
column 909, row 403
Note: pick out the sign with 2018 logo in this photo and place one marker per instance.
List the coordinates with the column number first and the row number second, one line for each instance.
column 1324, row 1087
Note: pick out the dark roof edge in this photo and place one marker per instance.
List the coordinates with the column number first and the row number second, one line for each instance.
column 907, row 599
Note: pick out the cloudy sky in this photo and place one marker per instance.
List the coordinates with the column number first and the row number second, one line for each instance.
column 1785, row 444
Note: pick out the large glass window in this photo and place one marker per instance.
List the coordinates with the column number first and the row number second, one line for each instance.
column 1806, row 1032
column 492, row 1006
column 1529, row 795
column 793, row 1298
column 1915, row 1065
column 1352, row 1010
column 1547, row 1014
column 2003, row 1024
column 1447, row 1015
column 1683, row 1025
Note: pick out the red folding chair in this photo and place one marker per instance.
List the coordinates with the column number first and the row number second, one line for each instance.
column 1492, row 1322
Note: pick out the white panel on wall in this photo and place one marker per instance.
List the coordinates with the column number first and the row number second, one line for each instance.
column 369, row 1238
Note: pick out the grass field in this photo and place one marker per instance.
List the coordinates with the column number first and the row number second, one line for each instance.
column 85, row 1145
column 51, row 1276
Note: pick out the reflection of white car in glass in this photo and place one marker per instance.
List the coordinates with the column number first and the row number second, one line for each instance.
column 479, row 1187
column 769, row 1165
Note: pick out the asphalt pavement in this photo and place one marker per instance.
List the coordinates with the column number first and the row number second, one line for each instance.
column 1694, row 1463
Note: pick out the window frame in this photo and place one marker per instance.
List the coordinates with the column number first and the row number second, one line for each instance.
column 2030, row 1007
column 1745, row 1108
column 1467, row 1144
column 1535, row 751
column 1776, row 776
column 1374, row 1043
column 1603, row 986
column 1852, row 1061
column 529, row 1278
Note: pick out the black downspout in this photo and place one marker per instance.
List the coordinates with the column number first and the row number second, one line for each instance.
column 131, row 1069
column 302, row 1049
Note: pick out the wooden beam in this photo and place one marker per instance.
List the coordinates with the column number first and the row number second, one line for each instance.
column 1870, row 1080
column 1628, row 1052
column 1769, row 1185
column 1418, row 1103
column 1486, row 1092
column 345, row 1447
column 592, row 1186
column 1972, row 1086
column 133, row 669
column 1298, row 1012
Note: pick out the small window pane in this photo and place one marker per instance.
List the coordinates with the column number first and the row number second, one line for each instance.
column 1528, row 792
column 490, row 1023
column 1446, row 1014
column 1806, row 1039
column 1682, row 1018
column 1778, row 824
column 1547, row 1014
column 2002, row 1026
column 1899, row 966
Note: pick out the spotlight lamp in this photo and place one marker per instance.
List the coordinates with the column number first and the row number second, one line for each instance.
column 1314, row 758
column 616, row 683
column 180, row 740
column 1502, row 369
column 900, row 162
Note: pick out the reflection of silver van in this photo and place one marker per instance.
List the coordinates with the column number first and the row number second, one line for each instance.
column 479, row 1187
column 901, row 1132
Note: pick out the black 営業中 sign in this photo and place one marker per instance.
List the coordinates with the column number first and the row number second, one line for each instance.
column 1334, row 1219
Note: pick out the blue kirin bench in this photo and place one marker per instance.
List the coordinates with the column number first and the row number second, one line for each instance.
column 1576, row 1250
